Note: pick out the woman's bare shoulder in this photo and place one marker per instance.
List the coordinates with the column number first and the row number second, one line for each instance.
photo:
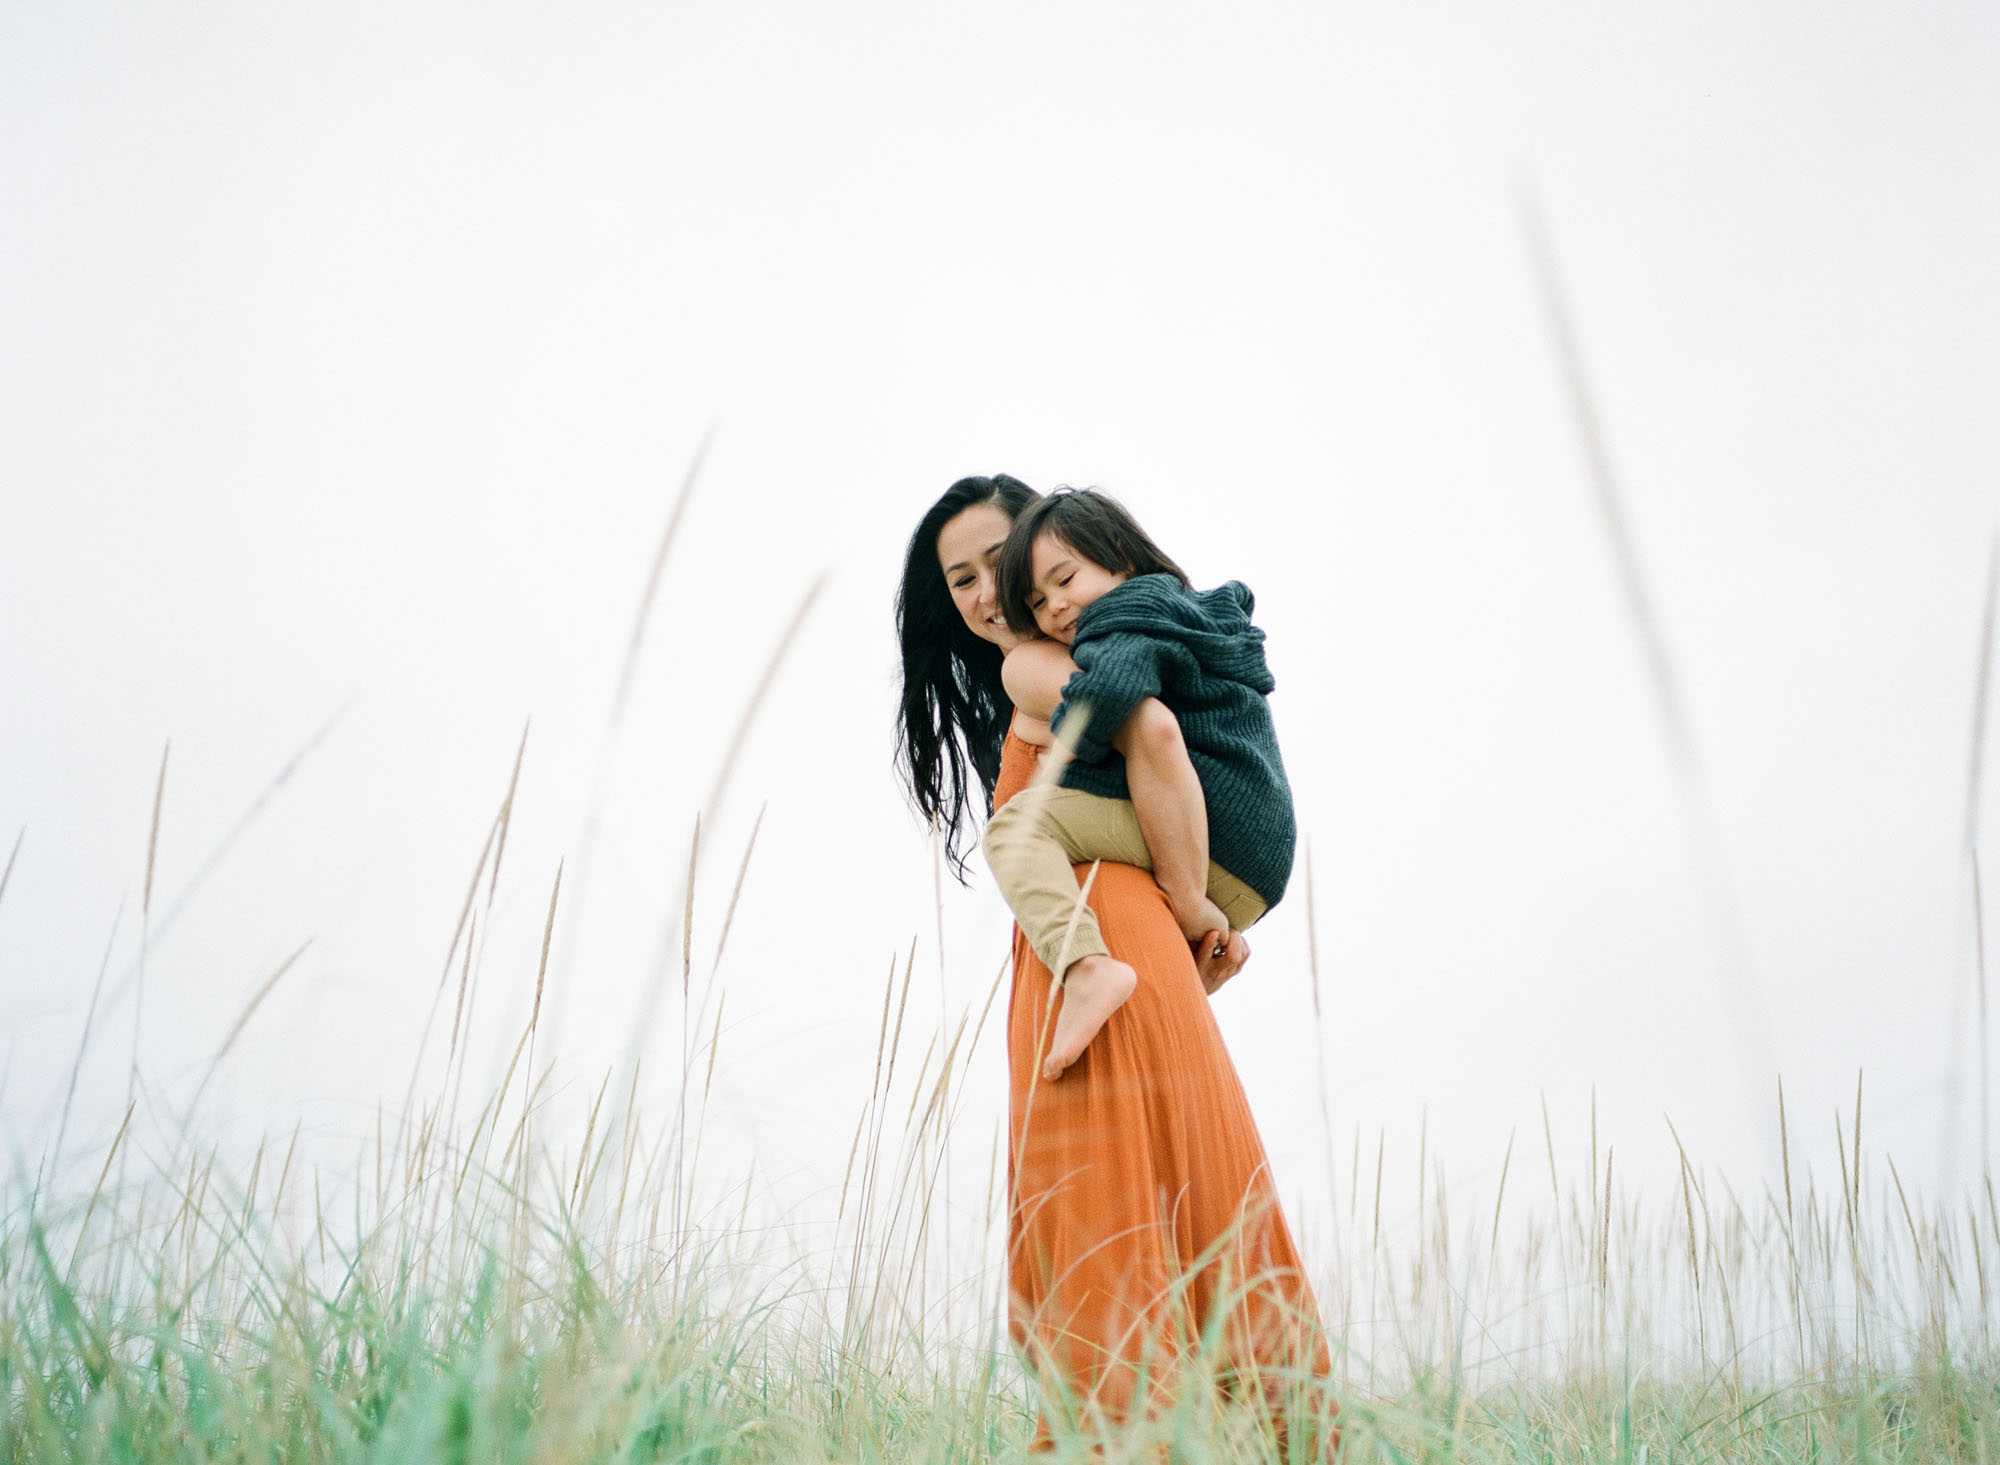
column 1034, row 675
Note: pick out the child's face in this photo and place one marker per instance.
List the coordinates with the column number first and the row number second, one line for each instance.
column 1065, row 582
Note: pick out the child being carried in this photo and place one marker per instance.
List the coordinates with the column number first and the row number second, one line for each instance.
column 1078, row 570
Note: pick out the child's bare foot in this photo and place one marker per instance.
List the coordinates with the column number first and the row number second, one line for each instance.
column 1093, row 988
column 1197, row 915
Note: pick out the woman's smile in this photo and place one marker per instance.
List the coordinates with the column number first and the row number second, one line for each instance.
column 968, row 548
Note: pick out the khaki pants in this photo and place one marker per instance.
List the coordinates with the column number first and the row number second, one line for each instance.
column 1031, row 850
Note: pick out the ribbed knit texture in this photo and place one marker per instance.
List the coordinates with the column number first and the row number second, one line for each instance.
column 1197, row 652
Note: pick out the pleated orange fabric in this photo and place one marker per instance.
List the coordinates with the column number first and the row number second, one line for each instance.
column 1146, row 1247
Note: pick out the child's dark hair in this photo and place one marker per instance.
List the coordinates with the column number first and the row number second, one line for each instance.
column 1094, row 525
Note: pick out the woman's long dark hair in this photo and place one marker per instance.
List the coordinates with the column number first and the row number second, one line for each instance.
column 955, row 711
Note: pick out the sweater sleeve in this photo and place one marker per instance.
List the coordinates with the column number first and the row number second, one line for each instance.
column 1115, row 672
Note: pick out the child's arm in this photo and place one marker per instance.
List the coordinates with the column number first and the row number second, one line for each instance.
column 1173, row 815
column 1166, row 793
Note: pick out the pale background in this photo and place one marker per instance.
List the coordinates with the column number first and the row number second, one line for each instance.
column 351, row 358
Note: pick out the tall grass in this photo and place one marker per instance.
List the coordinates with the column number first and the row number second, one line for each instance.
column 487, row 1290
column 493, row 1284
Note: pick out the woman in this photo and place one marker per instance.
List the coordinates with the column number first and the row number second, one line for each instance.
column 1145, row 1242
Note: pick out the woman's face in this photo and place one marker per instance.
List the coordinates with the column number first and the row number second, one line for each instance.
column 968, row 549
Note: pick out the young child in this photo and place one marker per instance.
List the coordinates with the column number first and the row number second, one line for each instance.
column 1080, row 571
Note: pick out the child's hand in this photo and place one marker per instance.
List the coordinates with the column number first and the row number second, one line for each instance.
column 1218, row 956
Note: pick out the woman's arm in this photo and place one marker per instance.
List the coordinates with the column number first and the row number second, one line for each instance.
column 1166, row 793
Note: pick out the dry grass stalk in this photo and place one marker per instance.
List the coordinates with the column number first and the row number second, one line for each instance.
column 12, row 855
column 643, row 614
column 249, row 1011
column 542, row 971
column 458, row 934
column 145, row 921
column 83, row 1046
column 736, row 890
column 740, row 736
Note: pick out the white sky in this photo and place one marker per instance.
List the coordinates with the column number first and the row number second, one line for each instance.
column 350, row 357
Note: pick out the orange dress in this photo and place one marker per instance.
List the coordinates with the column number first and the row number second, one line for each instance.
column 1145, row 1241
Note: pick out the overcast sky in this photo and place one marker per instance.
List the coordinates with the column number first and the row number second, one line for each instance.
column 351, row 358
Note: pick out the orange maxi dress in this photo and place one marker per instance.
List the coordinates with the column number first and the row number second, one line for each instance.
column 1145, row 1242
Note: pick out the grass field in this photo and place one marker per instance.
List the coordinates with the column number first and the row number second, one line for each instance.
column 479, row 1280
column 481, row 1290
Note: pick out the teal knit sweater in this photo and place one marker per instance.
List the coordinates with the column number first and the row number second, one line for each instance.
column 1198, row 653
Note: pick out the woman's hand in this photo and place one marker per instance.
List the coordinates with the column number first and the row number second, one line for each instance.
column 1218, row 956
